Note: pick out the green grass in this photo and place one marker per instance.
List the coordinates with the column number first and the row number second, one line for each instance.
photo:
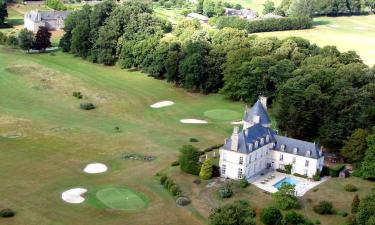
column 122, row 199
column 223, row 114
column 347, row 33
column 55, row 139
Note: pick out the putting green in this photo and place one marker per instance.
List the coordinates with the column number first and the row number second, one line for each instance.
column 122, row 199
column 223, row 114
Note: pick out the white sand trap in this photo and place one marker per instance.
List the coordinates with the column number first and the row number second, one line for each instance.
column 334, row 26
column 361, row 28
column 95, row 168
column 74, row 195
column 193, row 121
column 237, row 122
column 161, row 104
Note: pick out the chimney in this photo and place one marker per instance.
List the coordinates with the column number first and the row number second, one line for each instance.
column 263, row 101
column 234, row 138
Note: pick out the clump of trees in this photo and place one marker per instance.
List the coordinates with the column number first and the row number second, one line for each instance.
column 265, row 25
column 3, row 13
column 169, row 184
column 324, row 207
column 285, row 197
column 238, row 212
column 26, row 40
column 56, row 5
column 363, row 210
column 366, row 168
column 189, row 159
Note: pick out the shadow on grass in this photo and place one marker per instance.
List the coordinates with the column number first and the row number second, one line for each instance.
column 15, row 21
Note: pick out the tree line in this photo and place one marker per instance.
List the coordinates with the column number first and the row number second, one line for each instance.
column 3, row 13
column 318, row 94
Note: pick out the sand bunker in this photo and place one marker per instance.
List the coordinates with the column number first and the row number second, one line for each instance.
column 237, row 122
column 74, row 195
column 161, row 104
column 361, row 28
column 193, row 121
column 95, row 168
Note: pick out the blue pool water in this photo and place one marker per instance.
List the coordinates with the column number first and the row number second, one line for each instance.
column 287, row 180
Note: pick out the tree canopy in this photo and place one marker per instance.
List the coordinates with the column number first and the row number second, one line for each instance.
column 238, row 212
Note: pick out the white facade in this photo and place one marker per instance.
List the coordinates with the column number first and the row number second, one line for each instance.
column 52, row 20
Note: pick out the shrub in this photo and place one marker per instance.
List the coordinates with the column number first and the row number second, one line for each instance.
column 285, row 198
column 350, row 188
column 163, row 178
column 335, row 171
column 182, row 201
column 324, row 207
column 288, row 168
column 293, row 218
column 317, row 221
column 271, row 216
column 238, row 212
column 299, row 175
column 12, row 41
column 325, row 171
column 175, row 163
column 280, row 170
column 316, row 177
column 243, row 183
column 225, row 191
column 7, row 213
column 197, row 181
column 193, row 140
column 355, row 204
column 175, row 190
column 87, row 106
column 206, row 169
column 342, row 213
column 77, row 94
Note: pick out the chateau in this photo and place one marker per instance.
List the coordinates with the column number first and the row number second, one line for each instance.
column 53, row 20
column 258, row 147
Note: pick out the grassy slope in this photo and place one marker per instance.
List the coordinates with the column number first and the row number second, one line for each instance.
column 347, row 33
column 59, row 139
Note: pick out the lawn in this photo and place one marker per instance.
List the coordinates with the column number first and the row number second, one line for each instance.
column 256, row 5
column 46, row 139
column 347, row 33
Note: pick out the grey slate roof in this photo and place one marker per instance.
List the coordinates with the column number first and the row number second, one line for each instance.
column 197, row 16
column 302, row 146
column 247, row 13
column 249, row 136
column 38, row 16
column 257, row 110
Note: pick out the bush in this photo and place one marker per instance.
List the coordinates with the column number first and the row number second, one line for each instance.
column 316, row 177
column 342, row 213
column 324, row 207
column 350, row 188
column 7, row 213
column 175, row 163
column 317, row 221
column 243, row 183
column 193, row 140
column 77, row 94
column 285, row 198
column 225, row 191
column 87, row 106
column 280, row 170
column 170, row 185
column 211, row 148
column 182, row 201
column 299, row 175
column 206, row 169
column 335, row 171
column 271, row 216
column 288, row 168
column 189, row 160
column 293, row 218
column 163, row 178
column 197, row 181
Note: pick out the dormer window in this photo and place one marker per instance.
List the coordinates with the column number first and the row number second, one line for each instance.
column 282, row 147
column 308, row 153
column 250, row 147
column 256, row 144
column 295, row 150
column 268, row 138
column 262, row 141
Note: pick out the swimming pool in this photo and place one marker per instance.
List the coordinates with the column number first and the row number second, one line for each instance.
column 287, row 180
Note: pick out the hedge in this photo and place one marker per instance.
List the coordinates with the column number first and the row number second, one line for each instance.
column 170, row 185
column 265, row 25
column 335, row 171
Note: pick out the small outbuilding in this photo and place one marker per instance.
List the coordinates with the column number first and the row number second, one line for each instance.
column 201, row 18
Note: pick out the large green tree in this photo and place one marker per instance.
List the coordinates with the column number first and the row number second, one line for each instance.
column 189, row 159
column 238, row 212
column 367, row 168
column 42, row 39
column 366, row 210
column 285, row 197
column 355, row 147
column 3, row 12
column 206, row 169
column 271, row 216
column 26, row 39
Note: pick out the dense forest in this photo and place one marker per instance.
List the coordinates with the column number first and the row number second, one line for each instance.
column 318, row 94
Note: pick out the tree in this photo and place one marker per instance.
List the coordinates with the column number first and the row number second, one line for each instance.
column 26, row 39
column 56, row 5
column 355, row 204
column 293, row 218
column 3, row 12
column 367, row 168
column 285, row 198
column 238, row 212
column 42, row 39
column 271, row 216
column 366, row 210
column 355, row 147
column 301, row 8
column 206, row 169
column 189, row 159
column 268, row 7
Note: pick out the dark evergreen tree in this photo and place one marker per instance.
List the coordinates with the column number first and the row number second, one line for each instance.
column 42, row 39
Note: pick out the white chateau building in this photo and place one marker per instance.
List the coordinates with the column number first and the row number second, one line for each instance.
column 53, row 20
column 258, row 147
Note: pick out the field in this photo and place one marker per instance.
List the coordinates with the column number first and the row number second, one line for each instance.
column 46, row 139
column 347, row 33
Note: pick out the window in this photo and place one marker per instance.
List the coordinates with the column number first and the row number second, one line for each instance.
column 249, row 159
column 239, row 173
column 308, row 153
column 262, row 141
column 281, row 157
column 295, row 151
column 294, row 160
column 305, row 172
column 307, row 163
column 241, row 161
column 282, row 147
column 224, row 156
column 223, row 169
